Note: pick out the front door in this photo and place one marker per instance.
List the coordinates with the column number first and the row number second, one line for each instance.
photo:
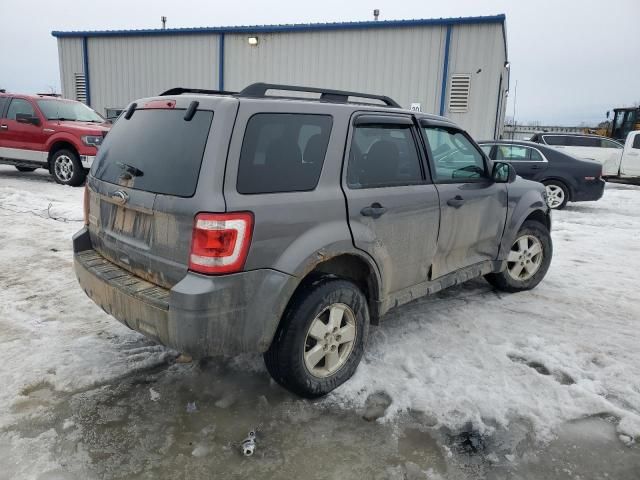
column 473, row 207
column 393, row 207
column 630, row 166
column 22, row 140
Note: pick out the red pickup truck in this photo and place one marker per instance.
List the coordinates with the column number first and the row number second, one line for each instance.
column 40, row 131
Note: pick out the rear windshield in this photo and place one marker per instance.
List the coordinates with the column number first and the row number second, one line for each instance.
column 155, row 150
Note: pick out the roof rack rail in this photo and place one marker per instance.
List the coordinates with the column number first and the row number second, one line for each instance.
column 181, row 90
column 337, row 96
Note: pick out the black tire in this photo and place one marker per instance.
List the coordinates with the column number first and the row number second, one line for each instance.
column 285, row 358
column 66, row 168
column 564, row 189
column 25, row 169
column 505, row 281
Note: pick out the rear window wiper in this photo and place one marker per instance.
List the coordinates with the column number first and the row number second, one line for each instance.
column 130, row 169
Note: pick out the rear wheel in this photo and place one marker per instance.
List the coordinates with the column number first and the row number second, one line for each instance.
column 557, row 194
column 25, row 169
column 321, row 338
column 66, row 168
column 528, row 259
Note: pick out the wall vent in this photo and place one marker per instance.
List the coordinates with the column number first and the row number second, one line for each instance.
column 81, row 88
column 459, row 89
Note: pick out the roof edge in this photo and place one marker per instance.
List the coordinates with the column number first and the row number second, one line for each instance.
column 283, row 28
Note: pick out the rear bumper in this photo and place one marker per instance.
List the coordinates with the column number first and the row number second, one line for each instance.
column 589, row 190
column 201, row 315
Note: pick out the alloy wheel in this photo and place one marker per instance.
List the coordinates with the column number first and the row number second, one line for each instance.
column 63, row 166
column 525, row 258
column 555, row 196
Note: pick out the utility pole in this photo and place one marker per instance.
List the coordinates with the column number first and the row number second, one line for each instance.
column 515, row 97
column 164, row 22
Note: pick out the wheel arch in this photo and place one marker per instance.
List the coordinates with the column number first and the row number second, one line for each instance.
column 58, row 145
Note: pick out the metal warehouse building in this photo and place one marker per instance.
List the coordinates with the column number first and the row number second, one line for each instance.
column 457, row 67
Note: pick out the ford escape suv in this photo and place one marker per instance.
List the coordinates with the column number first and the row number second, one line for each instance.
column 220, row 223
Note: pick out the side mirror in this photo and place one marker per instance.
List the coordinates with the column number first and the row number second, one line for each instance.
column 27, row 118
column 503, row 172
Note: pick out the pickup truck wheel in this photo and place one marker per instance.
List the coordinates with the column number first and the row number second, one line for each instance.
column 66, row 168
column 528, row 259
column 25, row 169
column 321, row 338
column 557, row 194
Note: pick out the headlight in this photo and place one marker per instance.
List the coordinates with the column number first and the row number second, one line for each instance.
column 92, row 140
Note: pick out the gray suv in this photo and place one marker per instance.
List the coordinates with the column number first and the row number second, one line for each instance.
column 218, row 223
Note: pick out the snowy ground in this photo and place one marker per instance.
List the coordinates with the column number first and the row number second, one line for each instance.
column 482, row 384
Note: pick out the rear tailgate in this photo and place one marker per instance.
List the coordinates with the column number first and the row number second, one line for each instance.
column 154, row 172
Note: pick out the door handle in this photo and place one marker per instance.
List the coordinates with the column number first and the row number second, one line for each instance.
column 4, row 127
column 456, row 201
column 535, row 167
column 375, row 210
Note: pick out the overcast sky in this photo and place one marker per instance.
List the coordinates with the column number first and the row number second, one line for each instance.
column 573, row 59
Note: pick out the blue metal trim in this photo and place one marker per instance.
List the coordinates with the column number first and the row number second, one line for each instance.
column 445, row 70
column 288, row 27
column 221, row 62
column 85, row 69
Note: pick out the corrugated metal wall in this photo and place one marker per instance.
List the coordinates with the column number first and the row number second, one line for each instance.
column 70, row 58
column 405, row 64
column 123, row 69
column 474, row 48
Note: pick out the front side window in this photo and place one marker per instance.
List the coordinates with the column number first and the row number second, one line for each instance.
column 454, row 156
column 283, row 152
column 556, row 140
column 383, row 155
column 605, row 143
column 636, row 141
column 65, row 110
column 18, row 106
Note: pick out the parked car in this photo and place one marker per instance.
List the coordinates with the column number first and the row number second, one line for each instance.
column 630, row 162
column 566, row 179
column 38, row 131
column 227, row 223
column 603, row 150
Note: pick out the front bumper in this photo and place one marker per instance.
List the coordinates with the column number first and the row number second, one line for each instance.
column 589, row 190
column 87, row 160
column 201, row 315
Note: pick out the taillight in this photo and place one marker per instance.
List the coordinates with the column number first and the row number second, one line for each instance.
column 85, row 205
column 220, row 242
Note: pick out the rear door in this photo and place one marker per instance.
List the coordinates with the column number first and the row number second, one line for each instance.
column 393, row 207
column 473, row 207
column 528, row 162
column 154, row 171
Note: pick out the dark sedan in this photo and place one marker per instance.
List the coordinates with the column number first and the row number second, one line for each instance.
column 567, row 179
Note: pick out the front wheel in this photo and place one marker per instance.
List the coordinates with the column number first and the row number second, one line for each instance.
column 528, row 259
column 321, row 338
column 66, row 168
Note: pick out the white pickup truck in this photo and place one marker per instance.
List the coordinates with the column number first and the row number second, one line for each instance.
column 617, row 160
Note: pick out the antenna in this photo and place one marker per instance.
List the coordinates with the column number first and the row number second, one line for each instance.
column 376, row 14
column 164, row 22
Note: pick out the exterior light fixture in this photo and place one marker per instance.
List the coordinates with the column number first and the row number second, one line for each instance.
column 253, row 41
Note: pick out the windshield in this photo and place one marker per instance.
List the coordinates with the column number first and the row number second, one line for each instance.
column 75, row 111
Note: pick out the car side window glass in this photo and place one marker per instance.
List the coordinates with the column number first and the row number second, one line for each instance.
column 535, row 156
column 486, row 149
column 3, row 103
column 19, row 106
column 283, row 152
column 512, row 153
column 454, row 156
column 636, row 141
column 556, row 140
column 609, row 144
column 383, row 156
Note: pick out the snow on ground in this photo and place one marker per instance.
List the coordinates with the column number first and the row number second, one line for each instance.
column 469, row 355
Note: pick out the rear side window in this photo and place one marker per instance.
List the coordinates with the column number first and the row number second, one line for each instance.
column 585, row 142
column 383, row 156
column 560, row 140
column 3, row 103
column 636, row 142
column 155, row 150
column 283, row 152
